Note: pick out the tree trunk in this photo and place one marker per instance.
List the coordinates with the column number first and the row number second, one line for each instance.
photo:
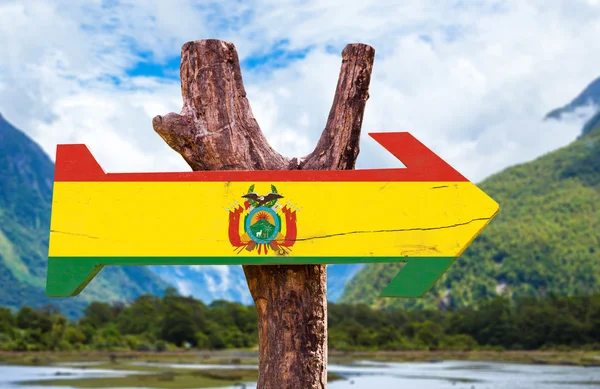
column 216, row 130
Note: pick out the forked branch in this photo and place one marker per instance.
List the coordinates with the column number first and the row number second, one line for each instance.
column 216, row 130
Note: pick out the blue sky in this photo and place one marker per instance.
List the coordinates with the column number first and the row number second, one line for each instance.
column 149, row 68
column 471, row 80
column 277, row 57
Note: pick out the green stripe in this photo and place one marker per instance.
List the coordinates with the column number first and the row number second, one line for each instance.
column 68, row 276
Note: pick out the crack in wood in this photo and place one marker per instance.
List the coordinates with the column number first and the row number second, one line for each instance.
column 396, row 230
column 74, row 233
column 324, row 236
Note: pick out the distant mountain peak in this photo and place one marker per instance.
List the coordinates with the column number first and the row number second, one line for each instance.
column 589, row 96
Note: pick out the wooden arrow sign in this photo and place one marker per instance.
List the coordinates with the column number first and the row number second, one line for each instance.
column 425, row 214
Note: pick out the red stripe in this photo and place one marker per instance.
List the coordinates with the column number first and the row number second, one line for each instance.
column 75, row 163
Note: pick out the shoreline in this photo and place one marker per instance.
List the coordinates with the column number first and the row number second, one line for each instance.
column 166, row 370
column 250, row 357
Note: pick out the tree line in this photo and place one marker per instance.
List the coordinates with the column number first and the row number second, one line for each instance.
column 173, row 322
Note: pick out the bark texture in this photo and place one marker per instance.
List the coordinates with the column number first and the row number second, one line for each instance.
column 216, row 130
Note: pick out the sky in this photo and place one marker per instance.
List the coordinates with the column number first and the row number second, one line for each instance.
column 470, row 79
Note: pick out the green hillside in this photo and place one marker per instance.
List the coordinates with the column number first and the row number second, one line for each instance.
column 546, row 237
column 26, row 179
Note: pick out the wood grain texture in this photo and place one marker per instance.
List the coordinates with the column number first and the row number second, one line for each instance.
column 216, row 130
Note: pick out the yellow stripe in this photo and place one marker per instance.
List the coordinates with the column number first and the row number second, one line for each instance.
column 335, row 219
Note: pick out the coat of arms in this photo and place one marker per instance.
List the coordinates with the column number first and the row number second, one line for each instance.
column 262, row 223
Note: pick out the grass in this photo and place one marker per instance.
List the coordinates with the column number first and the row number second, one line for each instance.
column 161, row 377
column 581, row 358
column 48, row 358
column 174, row 378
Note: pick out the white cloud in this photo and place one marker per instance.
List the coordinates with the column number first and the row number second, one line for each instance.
column 472, row 80
column 184, row 287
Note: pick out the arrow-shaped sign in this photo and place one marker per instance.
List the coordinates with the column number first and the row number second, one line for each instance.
column 425, row 214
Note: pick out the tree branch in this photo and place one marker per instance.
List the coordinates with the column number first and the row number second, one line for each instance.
column 338, row 146
column 216, row 130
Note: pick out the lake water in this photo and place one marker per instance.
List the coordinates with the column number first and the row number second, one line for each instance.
column 370, row 375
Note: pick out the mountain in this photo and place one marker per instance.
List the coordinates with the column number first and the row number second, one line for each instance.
column 589, row 96
column 209, row 283
column 546, row 237
column 592, row 124
column 26, row 180
column 337, row 278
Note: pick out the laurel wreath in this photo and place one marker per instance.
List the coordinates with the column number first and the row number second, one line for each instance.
column 252, row 202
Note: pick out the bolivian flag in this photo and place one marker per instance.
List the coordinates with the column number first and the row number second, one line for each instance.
column 425, row 214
